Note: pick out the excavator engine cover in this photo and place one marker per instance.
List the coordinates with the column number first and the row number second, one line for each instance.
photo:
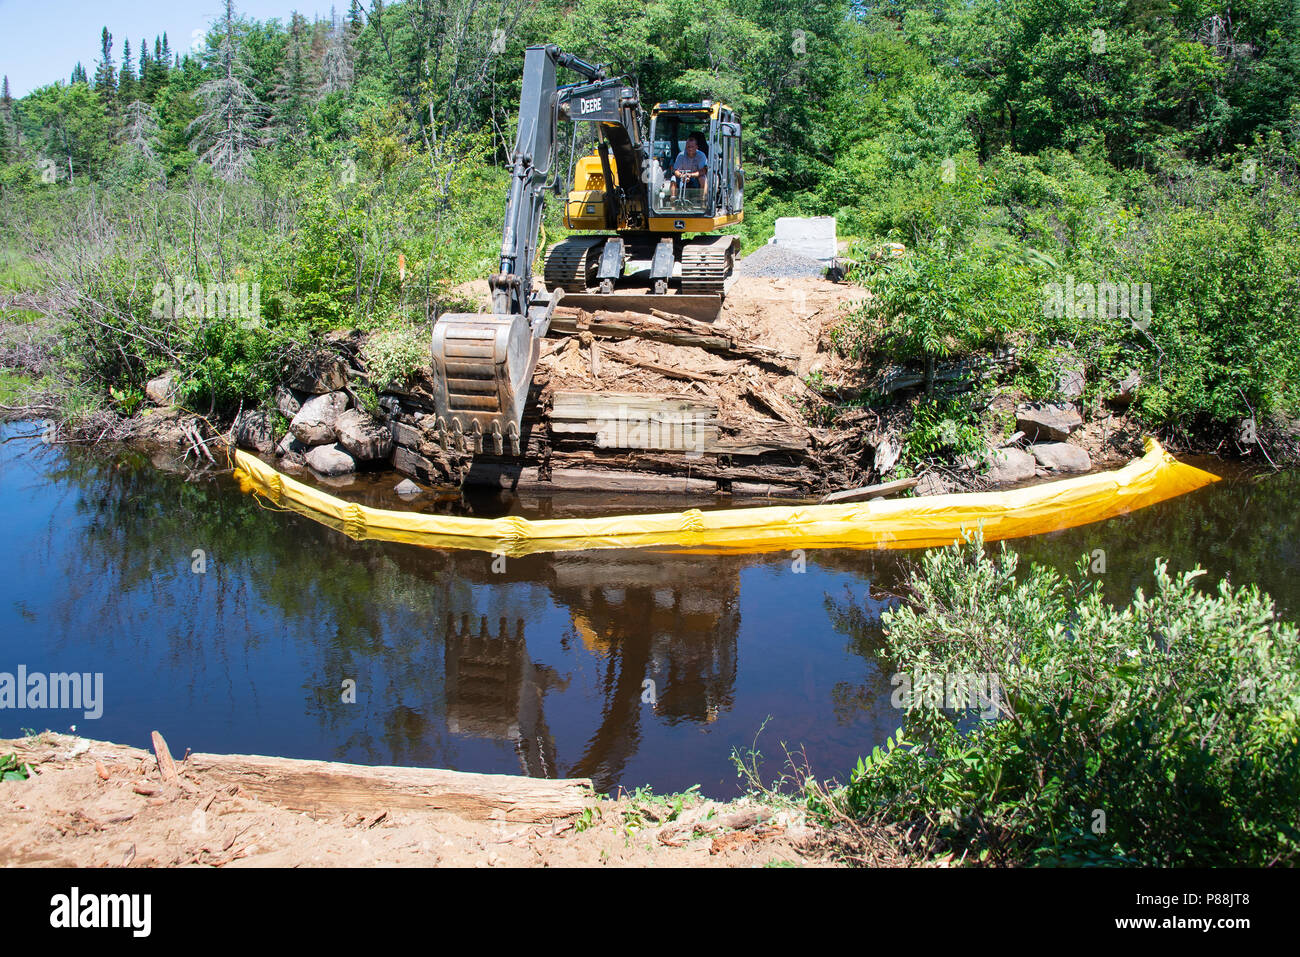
column 482, row 369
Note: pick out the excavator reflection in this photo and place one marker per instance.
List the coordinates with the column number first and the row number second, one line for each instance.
column 664, row 636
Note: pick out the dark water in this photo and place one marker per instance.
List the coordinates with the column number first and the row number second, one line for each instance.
column 541, row 667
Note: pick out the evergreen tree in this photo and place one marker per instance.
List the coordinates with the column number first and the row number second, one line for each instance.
column 337, row 70
column 8, row 128
column 105, row 75
column 226, row 131
column 128, row 88
column 146, row 78
column 79, row 74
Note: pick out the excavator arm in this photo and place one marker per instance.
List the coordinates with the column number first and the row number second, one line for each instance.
column 483, row 363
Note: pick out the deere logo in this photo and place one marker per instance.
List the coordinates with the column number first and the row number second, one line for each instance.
column 679, row 224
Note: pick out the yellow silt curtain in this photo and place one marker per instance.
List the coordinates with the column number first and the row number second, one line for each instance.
column 921, row 522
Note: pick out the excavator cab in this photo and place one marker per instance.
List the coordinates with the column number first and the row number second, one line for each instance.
column 714, row 199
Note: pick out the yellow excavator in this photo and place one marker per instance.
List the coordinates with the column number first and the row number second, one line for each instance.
column 656, row 199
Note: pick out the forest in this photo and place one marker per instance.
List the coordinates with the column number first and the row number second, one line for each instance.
column 349, row 173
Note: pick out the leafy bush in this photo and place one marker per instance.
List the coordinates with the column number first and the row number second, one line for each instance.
column 1176, row 717
column 393, row 355
column 941, row 301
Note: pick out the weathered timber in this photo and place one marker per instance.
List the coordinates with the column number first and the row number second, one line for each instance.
column 633, row 420
column 671, row 373
column 871, row 491
column 628, row 325
column 329, row 787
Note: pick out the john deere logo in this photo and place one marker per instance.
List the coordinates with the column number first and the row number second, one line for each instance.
column 679, row 224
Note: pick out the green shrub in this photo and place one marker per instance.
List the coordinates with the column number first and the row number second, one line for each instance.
column 1166, row 732
column 393, row 355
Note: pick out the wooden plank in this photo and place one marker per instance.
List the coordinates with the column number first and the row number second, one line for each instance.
column 635, row 421
column 566, row 404
column 596, row 480
column 330, row 787
column 871, row 491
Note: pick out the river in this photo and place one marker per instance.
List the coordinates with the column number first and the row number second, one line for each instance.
column 231, row 627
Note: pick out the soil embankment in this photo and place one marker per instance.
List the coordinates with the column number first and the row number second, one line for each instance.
column 95, row 804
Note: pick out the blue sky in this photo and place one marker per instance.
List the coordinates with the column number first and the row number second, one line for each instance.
column 41, row 40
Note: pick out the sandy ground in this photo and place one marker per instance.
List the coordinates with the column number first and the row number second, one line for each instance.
column 97, row 804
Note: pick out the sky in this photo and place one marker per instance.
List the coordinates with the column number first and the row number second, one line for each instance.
column 41, row 40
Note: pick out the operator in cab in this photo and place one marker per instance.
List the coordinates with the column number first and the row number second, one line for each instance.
column 691, row 168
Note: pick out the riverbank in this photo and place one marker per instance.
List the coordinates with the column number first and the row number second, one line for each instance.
column 756, row 406
column 93, row 803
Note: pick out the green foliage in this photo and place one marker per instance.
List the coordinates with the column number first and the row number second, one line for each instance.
column 393, row 355
column 940, row 301
column 942, row 429
column 1176, row 716
column 13, row 770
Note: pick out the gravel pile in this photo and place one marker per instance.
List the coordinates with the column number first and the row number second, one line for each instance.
column 774, row 262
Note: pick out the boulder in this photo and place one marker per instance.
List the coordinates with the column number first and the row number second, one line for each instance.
column 288, row 401
column 314, row 423
column 1051, row 422
column 1070, row 379
column 407, row 489
column 162, row 390
column 1009, row 465
column 1061, row 457
column 320, row 373
column 364, row 436
column 255, row 431
column 291, row 445
column 330, row 461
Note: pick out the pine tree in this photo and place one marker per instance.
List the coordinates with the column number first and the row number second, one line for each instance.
column 337, row 69
column 79, row 74
column 291, row 91
column 128, row 89
column 105, row 75
column 8, row 128
column 147, row 88
column 226, row 131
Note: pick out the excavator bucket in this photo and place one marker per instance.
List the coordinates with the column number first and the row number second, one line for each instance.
column 482, row 367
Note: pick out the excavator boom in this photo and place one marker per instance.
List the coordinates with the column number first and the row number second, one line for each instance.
column 483, row 363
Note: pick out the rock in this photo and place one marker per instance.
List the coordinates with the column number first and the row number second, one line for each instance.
column 320, row 373
column 162, row 390
column 1126, row 390
column 434, row 472
column 1070, row 379
column 254, row 430
column 330, row 461
column 407, row 489
column 314, row 423
column 1009, row 465
column 1061, row 457
column 364, row 436
column 288, row 401
column 291, row 445
column 1054, row 422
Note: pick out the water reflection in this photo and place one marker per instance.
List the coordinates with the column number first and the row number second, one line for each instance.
column 630, row 667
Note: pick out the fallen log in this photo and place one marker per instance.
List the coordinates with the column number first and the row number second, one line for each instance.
column 330, row 787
